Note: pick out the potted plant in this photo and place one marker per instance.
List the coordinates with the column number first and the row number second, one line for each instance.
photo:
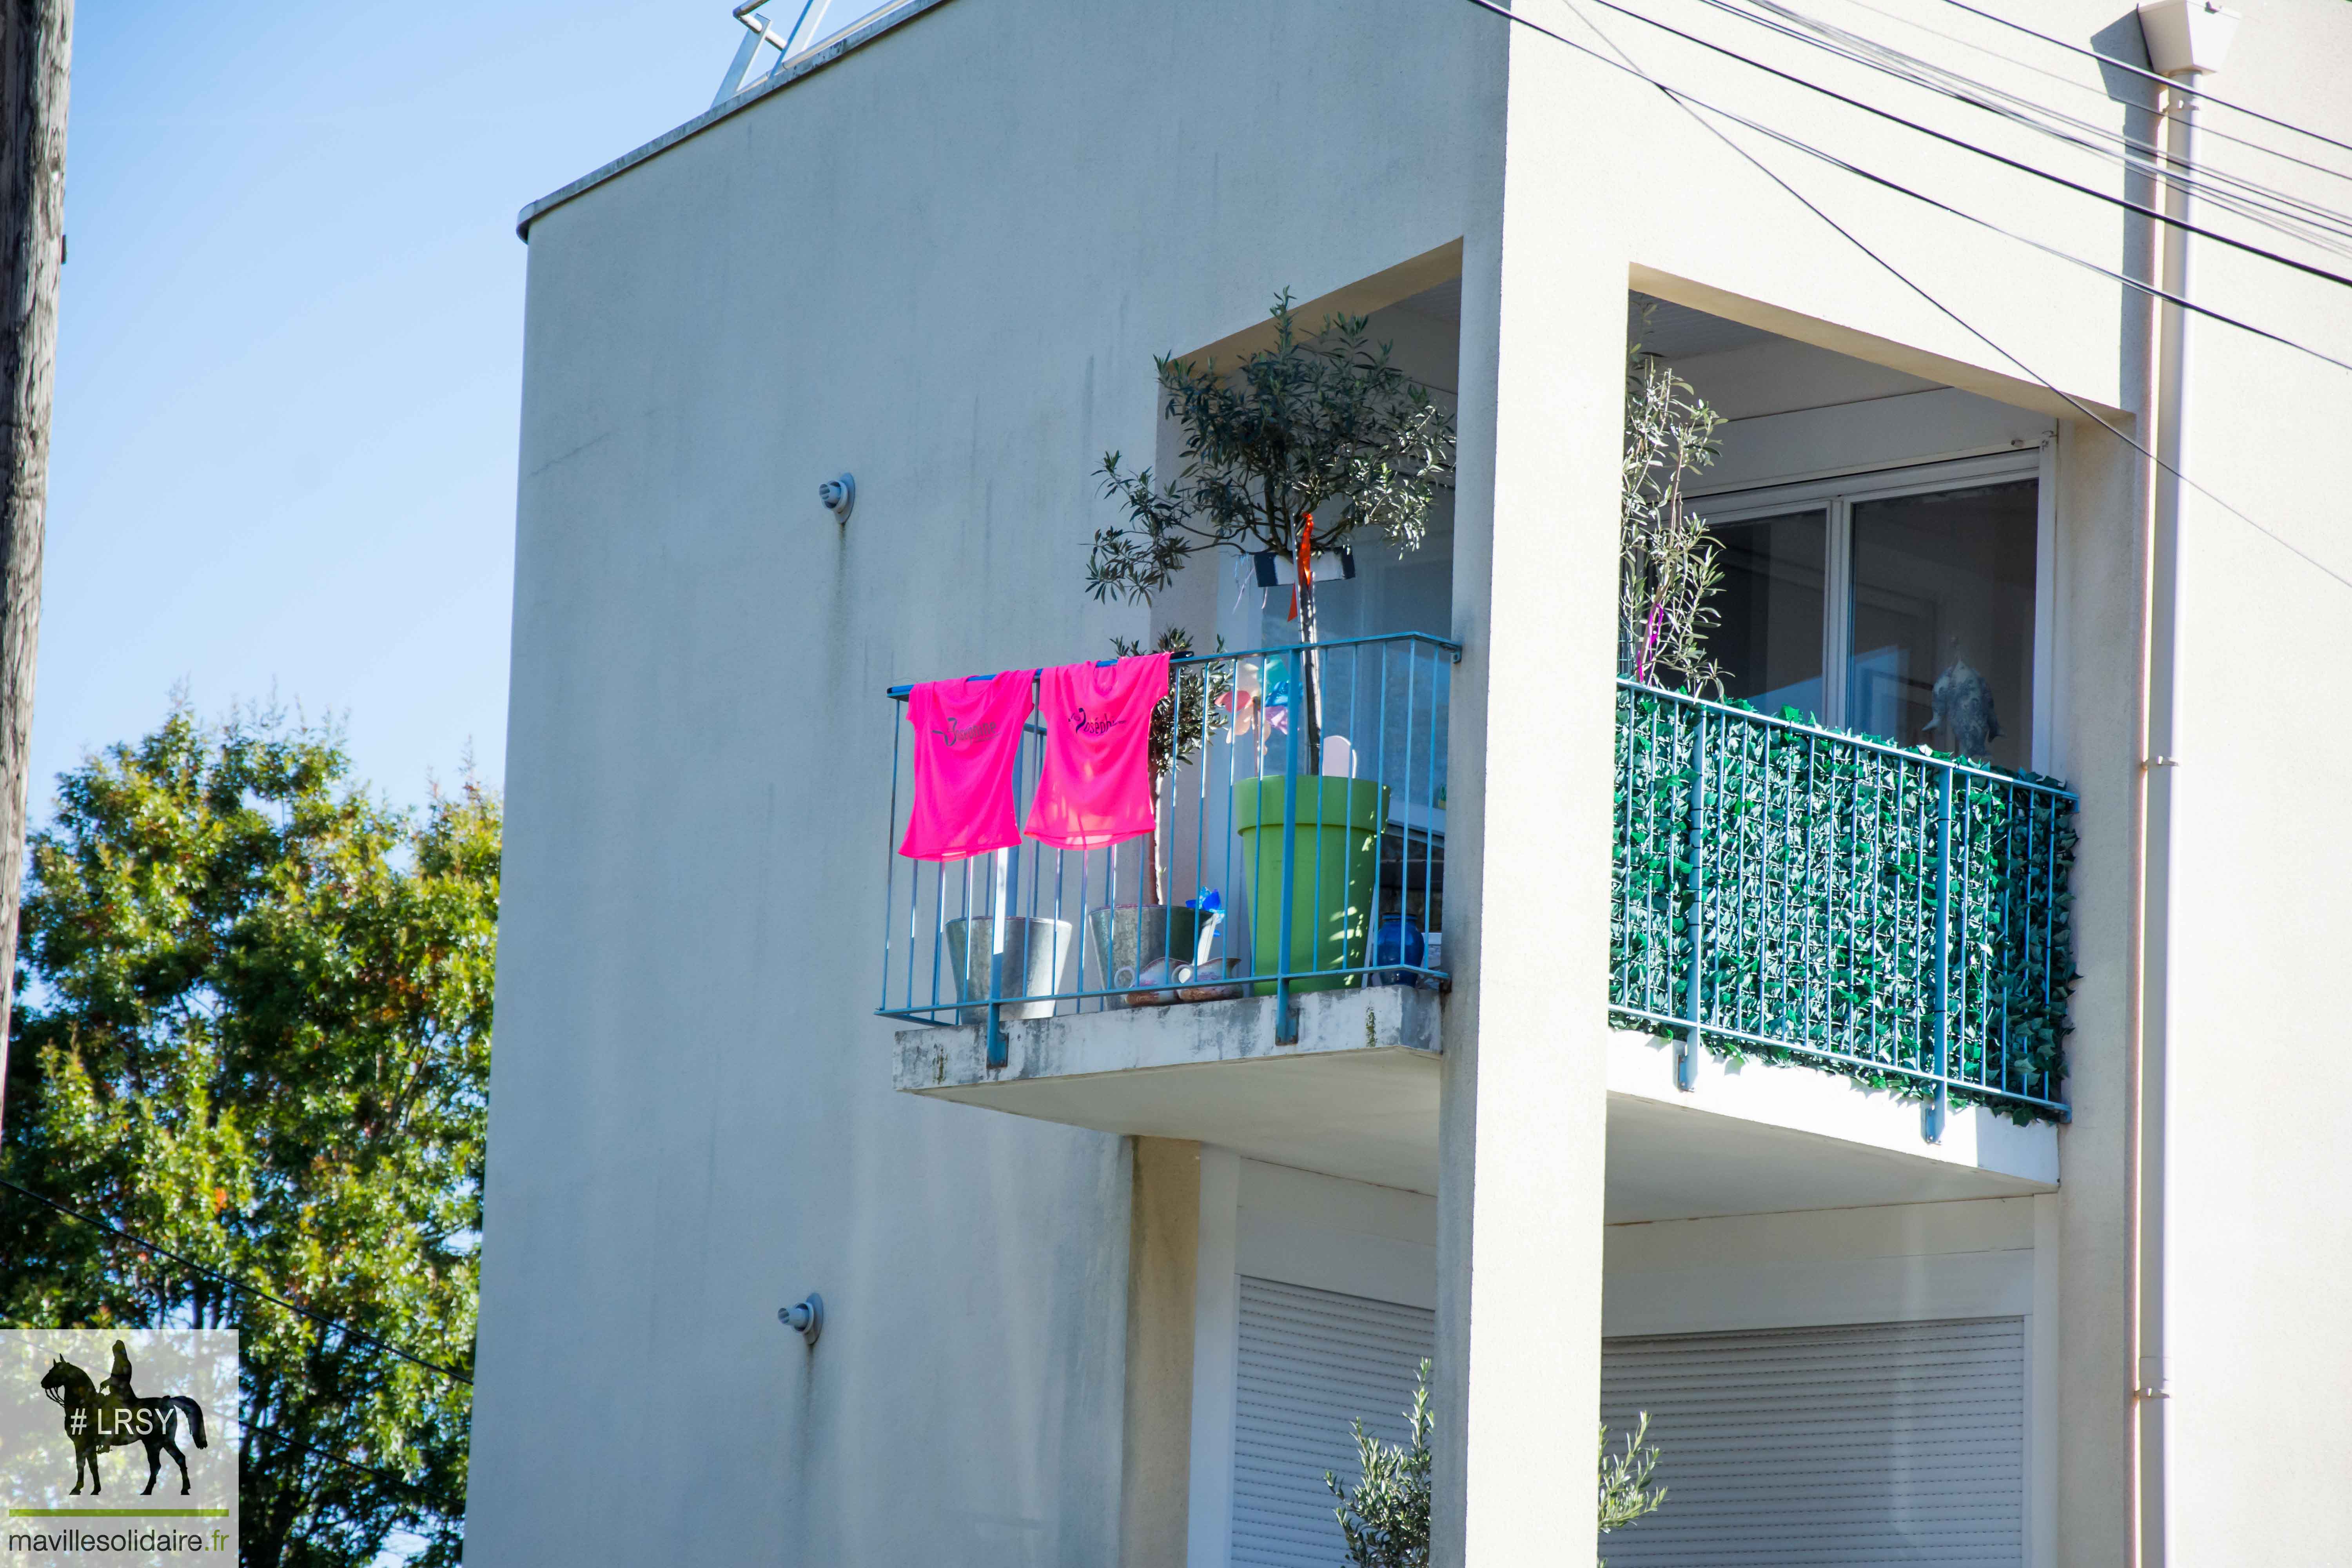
column 1384, row 1515
column 1301, row 447
column 1668, row 565
column 1149, row 943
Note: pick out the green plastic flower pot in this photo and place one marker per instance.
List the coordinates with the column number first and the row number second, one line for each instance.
column 1338, row 842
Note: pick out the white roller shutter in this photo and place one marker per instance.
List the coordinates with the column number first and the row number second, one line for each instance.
column 1882, row 1443
column 1311, row 1361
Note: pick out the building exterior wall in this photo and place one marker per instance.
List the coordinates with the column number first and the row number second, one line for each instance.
column 1901, row 1263
column 1523, row 1107
column 1155, row 1451
column 2256, row 1189
column 942, row 264
column 2242, row 1130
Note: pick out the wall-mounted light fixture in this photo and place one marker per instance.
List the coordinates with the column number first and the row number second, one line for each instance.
column 840, row 496
column 805, row 1317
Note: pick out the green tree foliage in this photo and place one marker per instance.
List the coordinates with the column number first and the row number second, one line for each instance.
column 1322, row 425
column 258, row 1034
column 1321, row 429
column 1385, row 1515
column 1199, row 703
column 1626, row 1494
column 1667, row 568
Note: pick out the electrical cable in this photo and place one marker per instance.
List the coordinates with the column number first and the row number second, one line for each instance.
column 2109, row 273
column 2277, row 210
column 1686, row 102
column 2160, row 80
column 2083, row 86
column 1966, row 145
column 2262, row 204
column 235, row 1283
column 1856, row 170
column 386, row 1477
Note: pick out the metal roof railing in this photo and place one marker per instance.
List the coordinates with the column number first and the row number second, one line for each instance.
column 815, row 24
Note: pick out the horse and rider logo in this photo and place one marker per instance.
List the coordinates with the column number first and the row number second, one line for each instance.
column 111, row 1415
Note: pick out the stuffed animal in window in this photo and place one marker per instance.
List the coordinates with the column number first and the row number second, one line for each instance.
column 1963, row 722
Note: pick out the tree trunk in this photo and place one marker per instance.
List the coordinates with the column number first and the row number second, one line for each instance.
column 1309, row 698
column 36, row 53
column 1155, row 889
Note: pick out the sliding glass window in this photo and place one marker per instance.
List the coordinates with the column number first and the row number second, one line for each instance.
column 1943, row 621
column 1774, row 583
column 1888, row 603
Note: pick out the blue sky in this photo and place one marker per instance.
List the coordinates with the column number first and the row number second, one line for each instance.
column 289, row 350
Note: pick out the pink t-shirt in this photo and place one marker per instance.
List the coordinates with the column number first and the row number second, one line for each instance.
column 967, row 738
column 1095, row 785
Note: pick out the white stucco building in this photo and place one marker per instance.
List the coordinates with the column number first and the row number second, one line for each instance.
column 1104, row 1287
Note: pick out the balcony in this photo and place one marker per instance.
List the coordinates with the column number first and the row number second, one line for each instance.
column 1784, row 891
column 1296, row 790
column 1780, row 893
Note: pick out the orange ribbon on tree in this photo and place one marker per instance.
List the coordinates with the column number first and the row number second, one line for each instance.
column 1306, row 566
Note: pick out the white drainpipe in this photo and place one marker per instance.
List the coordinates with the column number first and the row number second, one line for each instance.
column 2186, row 39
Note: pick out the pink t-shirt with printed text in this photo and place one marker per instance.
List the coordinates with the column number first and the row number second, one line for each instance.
column 1094, row 787
column 967, row 739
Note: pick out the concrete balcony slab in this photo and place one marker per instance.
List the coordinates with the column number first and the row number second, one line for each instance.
column 1356, row 1097
column 1763, row 1138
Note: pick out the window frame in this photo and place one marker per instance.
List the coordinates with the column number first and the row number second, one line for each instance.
column 1836, row 496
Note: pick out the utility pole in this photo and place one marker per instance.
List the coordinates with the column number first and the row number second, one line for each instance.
column 36, row 55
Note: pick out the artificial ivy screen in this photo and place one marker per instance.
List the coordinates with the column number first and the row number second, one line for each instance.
column 1816, row 891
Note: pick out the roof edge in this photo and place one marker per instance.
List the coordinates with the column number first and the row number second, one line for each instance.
column 873, row 27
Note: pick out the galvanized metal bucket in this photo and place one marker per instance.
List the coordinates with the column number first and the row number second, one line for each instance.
column 1126, row 942
column 1034, row 952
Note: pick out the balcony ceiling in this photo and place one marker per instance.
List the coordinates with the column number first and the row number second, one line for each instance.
column 1676, row 331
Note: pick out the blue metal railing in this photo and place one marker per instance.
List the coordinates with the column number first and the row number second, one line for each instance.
column 1785, row 890
column 1777, row 889
column 1306, row 797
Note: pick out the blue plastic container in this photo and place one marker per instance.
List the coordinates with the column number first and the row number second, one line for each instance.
column 1398, row 941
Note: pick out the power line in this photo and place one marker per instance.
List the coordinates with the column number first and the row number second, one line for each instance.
column 1686, row 102
column 1964, row 144
column 2107, row 272
column 444, row 1504
column 2151, row 76
column 234, row 1282
column 1970, row 328
column 1974, row 48
column 2277, row 210
column 1692, row 99
column 1834, row 160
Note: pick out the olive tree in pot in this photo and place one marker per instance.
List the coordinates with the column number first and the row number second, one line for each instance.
column 1298, row 449
column 1667, row 566
column 1304, row 446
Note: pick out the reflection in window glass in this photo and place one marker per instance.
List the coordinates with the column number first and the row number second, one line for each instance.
column 1769, row 636
column 1943, row 621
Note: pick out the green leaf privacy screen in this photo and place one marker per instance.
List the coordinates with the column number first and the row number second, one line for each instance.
column 1799, row 895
